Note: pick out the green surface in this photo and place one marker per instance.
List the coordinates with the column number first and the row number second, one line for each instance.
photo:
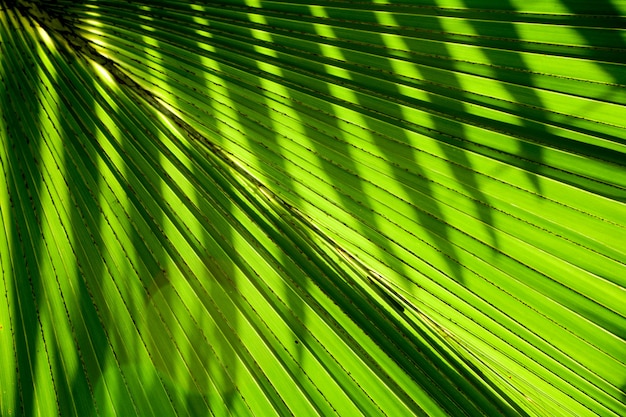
column 259, row 208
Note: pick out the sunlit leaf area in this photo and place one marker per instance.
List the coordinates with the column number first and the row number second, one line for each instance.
column 287, row 208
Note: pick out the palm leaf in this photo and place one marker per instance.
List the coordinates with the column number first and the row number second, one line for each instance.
column 286, row 208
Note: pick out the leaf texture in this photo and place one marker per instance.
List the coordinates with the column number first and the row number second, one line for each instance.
column 258, row 208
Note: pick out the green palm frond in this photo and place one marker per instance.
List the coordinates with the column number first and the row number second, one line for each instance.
column 259, row 208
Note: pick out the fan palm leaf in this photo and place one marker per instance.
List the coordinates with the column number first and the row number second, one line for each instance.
column 263, row 208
